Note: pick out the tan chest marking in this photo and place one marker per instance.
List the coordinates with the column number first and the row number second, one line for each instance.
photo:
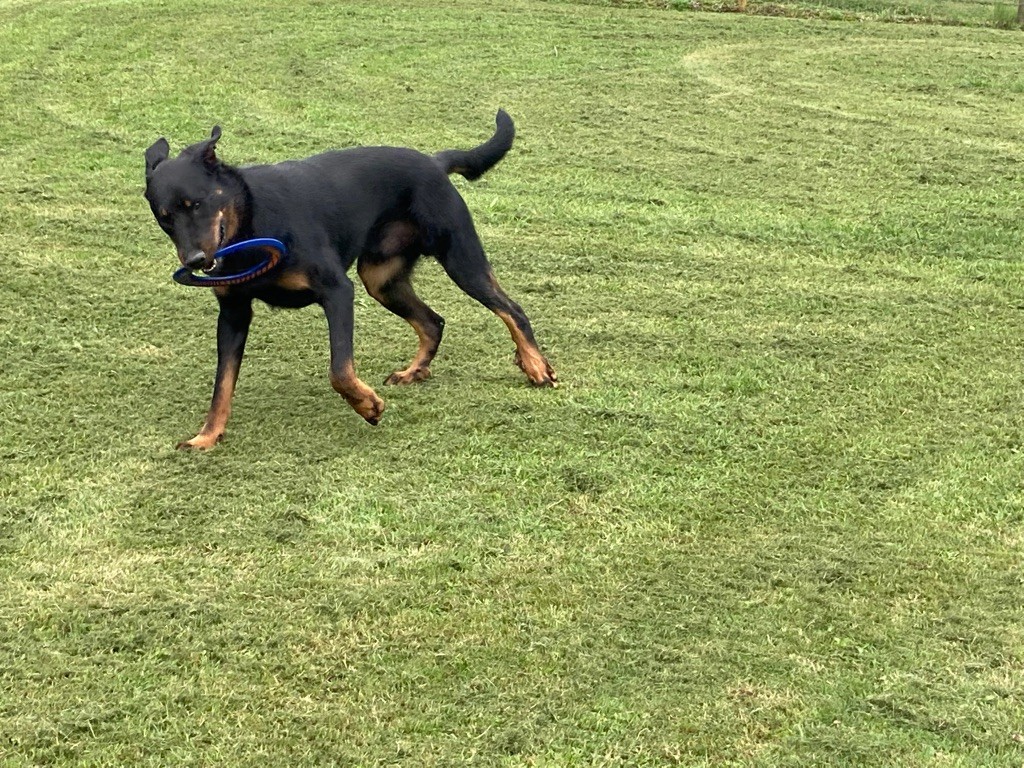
column 294, row 280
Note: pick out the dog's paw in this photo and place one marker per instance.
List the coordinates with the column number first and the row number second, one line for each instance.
column 537, row 369
column 199, row 443
column 545, row 381
column 363, row 400
column 408, row 376
column 371, row 408
column 367, row 404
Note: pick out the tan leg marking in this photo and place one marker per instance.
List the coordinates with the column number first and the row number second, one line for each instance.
column 528, row 357
column 419, row 368
column 362, row 398
column 217, row 417
column 375, row 276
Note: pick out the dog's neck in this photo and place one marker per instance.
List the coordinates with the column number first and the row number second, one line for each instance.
column 242, row 201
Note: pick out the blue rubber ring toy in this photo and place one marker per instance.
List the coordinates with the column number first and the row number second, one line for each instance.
column 275, row 251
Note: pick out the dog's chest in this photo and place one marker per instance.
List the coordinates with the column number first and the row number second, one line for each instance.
column 273, row 295
column 285, row 298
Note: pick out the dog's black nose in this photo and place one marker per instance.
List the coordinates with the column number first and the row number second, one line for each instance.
column 196, row 260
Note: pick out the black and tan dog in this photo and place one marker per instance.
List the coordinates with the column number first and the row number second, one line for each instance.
column 378, row 207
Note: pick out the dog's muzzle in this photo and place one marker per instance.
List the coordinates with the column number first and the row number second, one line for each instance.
column 198, row 260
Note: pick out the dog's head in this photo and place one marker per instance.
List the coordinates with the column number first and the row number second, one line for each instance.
column 197, row 200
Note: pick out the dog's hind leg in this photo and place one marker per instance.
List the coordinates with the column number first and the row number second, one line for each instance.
column 389, row 282
column 466, row 264
column 337, row 304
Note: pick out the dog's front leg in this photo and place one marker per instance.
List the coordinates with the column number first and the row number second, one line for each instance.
column 337, row 304
column 232, row 331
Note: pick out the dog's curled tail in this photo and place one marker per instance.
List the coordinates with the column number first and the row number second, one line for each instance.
column 474, row 163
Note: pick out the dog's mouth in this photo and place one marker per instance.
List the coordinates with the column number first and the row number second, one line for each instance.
column 199, row 260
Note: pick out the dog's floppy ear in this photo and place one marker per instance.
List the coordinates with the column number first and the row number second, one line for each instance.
column 156, row 154
column 208, row 149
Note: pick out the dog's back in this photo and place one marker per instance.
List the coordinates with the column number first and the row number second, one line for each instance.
column 348, row 191
column 326, row 186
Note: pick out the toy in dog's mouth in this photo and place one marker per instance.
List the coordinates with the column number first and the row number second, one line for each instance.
column 271, row 250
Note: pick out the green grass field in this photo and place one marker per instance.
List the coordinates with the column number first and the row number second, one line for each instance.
column 996, row 13
column 773, row 515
